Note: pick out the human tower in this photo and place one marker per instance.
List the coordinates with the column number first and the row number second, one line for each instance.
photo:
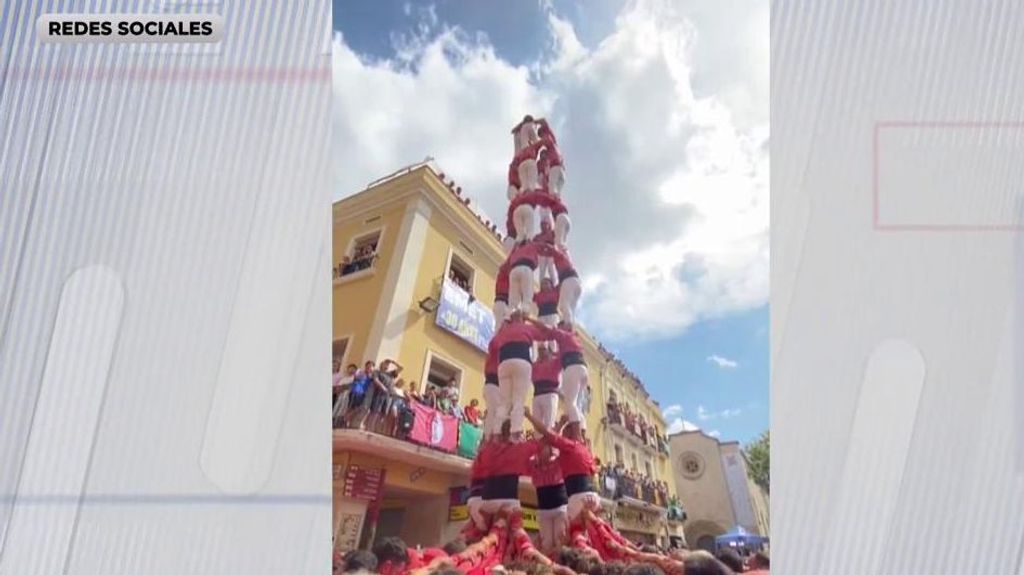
column 535, row 346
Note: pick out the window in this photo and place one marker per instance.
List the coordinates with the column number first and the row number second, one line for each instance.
column 442, row 374
column 338, row 350
column 636, row 467
column 461, row 273
column 362, row 255
column 647, row 467
column 618, row 455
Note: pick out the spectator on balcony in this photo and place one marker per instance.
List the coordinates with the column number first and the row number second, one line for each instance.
column 472, row 412
column 362, row 384
column 429, row 398
column 342, row 385
column 399, row 403
column 384, row 389
column 414, row 392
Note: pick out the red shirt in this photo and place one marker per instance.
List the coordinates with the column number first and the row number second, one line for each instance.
column 550, row 157
column 527, row 153
column 562, row 262
column 529, row 251
column 545, row 473
column 547, row 370
column 575, row 458
column 511, row 458
column 566, row 340
column 518, row 332
column 476, row 470
column 547, row 301
column 491, row 366
column 501, row 282
column 472, row 415
column 513, row 174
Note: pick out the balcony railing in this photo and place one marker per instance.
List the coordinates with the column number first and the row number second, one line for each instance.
column 635, row 431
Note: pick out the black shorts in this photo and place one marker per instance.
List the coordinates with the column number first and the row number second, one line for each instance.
column 515, row 350
column 544, row 387
column 524, row 263
column 476, row 488
column 490, row 379
column 552, row 497
column 502, row 297
column 548, row 308
column 501, row 487
column 566, row 274
column 573, row 358
column 579, row 484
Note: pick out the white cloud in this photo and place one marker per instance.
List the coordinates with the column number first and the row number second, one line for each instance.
column 672, row 411
column 664, row 140
column 679, row 424
column 704, row 415
column 722, row 362
column 715, row 433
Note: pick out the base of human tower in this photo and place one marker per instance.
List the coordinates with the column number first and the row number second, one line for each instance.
column 507, row 543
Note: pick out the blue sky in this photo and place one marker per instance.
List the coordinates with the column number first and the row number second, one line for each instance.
column 660, row 107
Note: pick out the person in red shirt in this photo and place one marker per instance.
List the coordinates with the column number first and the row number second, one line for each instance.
column 506, row 461
column 501, row 286
column 522, row 214
column 477, row 476
column 492, row 393
column 552, row 500
column 550, row 164
column 560, row 213
column 547, row 371
column 525, row 133
column 569, row 287
column 515, row 366
column 577, row 464
column 575, row 377
column 547, row 303
column 523, row 263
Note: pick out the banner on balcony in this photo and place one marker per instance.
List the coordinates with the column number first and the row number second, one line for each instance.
column 471, row 321
column 433, row 428
column 469, row 439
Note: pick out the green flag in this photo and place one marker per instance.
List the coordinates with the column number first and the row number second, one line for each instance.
column 469, row 439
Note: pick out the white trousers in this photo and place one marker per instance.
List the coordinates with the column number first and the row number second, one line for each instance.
column 520, row 288
column 529, row 179
column 514, row 381
column 509, row 243
column 473, row 504
column 546, row 269
column 575, row 379
column 579, row 502
column 554, row 527
column 562, row 226
column 492, row 506
column 569, row 292
column 500, row 313
column 544, row 215
column 545, row 408
column 492, row 399
column 556, row 179
column 525, row 222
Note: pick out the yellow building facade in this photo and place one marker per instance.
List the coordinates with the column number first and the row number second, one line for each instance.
column 394, row 244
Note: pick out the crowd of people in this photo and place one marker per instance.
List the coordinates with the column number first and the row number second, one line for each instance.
column 617, row 482
column 376, row 398
column 362, row 259
column 621, row 414
column 391, row 556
